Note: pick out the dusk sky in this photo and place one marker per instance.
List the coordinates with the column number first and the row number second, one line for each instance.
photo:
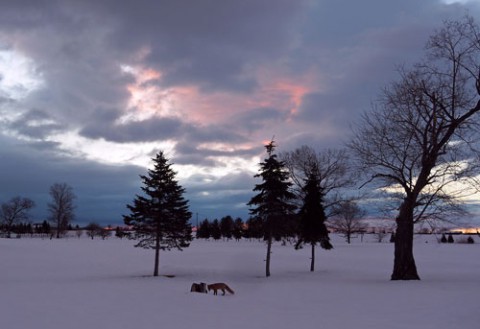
column 90, row 90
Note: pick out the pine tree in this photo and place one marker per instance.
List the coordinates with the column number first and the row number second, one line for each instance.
column 227, row 227
column 312, row 218
column 160, row 217
column 215, row 229
column 450, row 239
column 253, row 228
column 443, row 239
column 272, row 204
column 204, row 230
column 238, row 229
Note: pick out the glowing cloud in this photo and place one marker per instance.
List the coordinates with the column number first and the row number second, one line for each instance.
column 18, row 75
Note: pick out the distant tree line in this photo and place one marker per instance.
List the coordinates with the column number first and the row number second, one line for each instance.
column 15, row 212
column 228, row 228
column 20, row 228
column 45, row 228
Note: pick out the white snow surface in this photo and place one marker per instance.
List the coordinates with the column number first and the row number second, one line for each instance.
column 81, row 283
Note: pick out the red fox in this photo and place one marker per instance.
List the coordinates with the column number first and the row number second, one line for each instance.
column 220, row 286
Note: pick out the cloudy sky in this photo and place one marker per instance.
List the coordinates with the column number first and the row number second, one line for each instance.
column 90, row 90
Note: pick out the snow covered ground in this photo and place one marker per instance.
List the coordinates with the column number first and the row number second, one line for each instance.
column 79, row 283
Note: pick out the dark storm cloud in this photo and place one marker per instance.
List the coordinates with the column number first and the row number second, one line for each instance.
column 190, row 153
column 370, row 48
column 209, row 43
column 213, row 44
column 191, row 149
column 35, row 124
column 153, row 129
column 318, row 107
column 236, row 182
column 257, row 119
column 5, row 100
column 162, row 128
column 102, row 191
column 79, row 73
column 212, row 133
column 80, row 93
column 214, row 197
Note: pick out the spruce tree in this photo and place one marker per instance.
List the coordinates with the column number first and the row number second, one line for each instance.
column 443, row 239
column 227, row 227
column 238, row 229
column 215, row 230
column 160, row 217
column 253, row 228
column 204, row 230
column 272, row 205
column 312, row 218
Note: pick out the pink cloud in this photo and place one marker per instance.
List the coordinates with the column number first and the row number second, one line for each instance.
column 281, row 92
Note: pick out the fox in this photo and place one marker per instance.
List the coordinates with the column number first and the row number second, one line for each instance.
column 220, row 286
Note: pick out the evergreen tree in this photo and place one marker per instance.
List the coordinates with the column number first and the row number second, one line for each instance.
column 443, row 239
column 215, row 230
column 238, row 229
column 450, row 239
column 312, row 218
column 254, row 228
column 272, row 205
column 204, row 230
column 160, row 217
column 226, row 227
column 119, row 232
column 45, row 228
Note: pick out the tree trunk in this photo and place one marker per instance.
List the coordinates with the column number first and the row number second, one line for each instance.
column 157, row 255
column 404, row 267
column 269, row 248
column 312, row 262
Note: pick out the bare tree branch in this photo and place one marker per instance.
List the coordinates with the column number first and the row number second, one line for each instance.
column 419, row 141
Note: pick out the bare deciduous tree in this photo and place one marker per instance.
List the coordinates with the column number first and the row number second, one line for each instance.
column 347, row 221
column 419, row 140
column 330, row 167
column 93, row 229
column 15, row 211
column 62, row 206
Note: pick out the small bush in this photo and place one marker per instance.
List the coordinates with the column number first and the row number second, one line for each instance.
column 466, row 240
column 443, row 239
column 450, row 239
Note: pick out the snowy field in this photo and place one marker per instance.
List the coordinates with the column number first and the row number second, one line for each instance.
column 79, row 283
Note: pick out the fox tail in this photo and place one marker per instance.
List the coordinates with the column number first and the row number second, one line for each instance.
column 227, row 288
